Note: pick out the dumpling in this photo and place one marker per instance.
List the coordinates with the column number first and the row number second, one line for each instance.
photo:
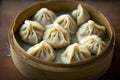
column 81, row 15
column 94, row 44
column 43, row 51
column 31, row 32
column 44, row 16
column 56, row 36
column 75, row 53
column 67, row 22
column 90, row 28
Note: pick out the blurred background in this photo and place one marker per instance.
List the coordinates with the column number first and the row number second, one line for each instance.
column 10, row 8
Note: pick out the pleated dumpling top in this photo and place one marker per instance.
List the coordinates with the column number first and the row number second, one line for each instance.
column 94, row 44
column 42, row 51
column 56, row 36
column 67, row 22
column 91, row 28
column 81, row 15
column 75, row 53
column 31, row 32
column 44, row 16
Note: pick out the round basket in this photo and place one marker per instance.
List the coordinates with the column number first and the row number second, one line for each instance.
column 35, row 69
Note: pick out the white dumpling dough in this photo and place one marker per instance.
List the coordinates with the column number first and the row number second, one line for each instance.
column 43, row 51
column 44, row 16
column 31, row 32
column 81, row 15
column 67, row 22
column 75, row 53
column 94, row 44
column 56, row 36
column 90, row 28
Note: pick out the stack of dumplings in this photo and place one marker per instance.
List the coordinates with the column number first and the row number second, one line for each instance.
column 48, row 33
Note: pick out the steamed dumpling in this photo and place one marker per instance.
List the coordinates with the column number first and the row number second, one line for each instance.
column 44, row 16
column 31, row 32
column 43, row 51
column 94, row 44
column 75, row 53
column 91, row 28
column 67, row 22
column 81, row 15
column 56, row 36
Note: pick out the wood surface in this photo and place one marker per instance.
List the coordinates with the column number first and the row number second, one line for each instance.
column 8, row 11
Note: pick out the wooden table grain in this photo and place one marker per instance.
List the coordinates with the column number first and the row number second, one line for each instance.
column 8, row 11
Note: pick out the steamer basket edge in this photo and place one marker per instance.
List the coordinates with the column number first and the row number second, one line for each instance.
column 47, row 74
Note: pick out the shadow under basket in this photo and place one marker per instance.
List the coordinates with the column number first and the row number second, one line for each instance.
column 35, row 69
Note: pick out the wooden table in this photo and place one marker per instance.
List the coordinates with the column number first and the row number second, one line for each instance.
column 8, row 11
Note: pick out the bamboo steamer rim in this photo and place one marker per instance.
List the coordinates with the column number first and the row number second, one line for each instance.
column 20, row 51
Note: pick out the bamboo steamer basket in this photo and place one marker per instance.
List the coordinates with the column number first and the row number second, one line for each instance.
column 35, row 69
